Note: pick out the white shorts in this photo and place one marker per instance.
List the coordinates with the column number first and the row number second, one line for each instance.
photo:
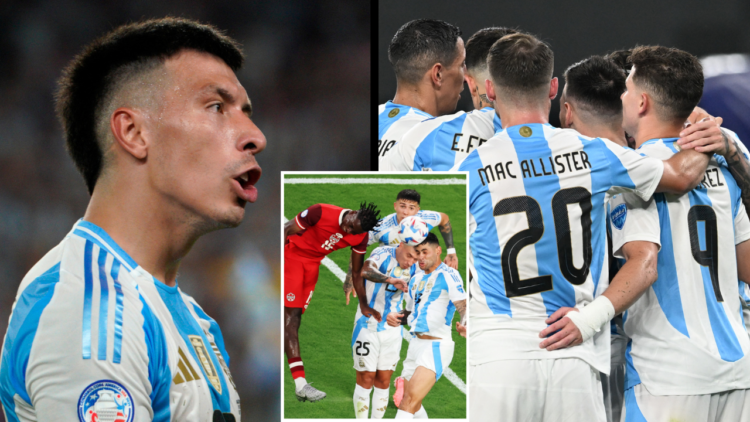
column 728, row 406
column 434, row 355
column 376, row 351
column 543, row 390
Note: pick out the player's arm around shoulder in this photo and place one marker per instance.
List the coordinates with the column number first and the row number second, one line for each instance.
column 90, row 345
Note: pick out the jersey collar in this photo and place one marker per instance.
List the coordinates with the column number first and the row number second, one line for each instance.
column 669, row 142
column 96, row 234
column 341, row 216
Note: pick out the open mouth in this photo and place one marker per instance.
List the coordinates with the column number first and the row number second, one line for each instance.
column 246, row 182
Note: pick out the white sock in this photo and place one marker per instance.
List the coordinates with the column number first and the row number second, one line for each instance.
column 299, row 383
column 379, row 402
column 421, row 414
column 402, row 414
column 361, row 401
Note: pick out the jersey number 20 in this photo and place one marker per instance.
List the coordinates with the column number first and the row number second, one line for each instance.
column 514, row 285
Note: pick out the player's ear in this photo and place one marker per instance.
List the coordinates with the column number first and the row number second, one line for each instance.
column 126, row 125
column 490, row 88
column 568, row 114
column 436, row 74
column 553, row 85
column 645, row 104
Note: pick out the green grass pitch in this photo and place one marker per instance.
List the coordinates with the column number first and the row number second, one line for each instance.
column 326, row 329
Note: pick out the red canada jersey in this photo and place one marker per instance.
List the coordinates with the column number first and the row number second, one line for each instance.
column 323, row 234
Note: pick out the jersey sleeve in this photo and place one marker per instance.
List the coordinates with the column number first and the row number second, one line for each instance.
column 432, row 218
column 361, row 248
column 741, row 225
column 455, row 286
column 378, row 256
column 631, row 171
column 70, row 366
column 309, row 217
column 633, row 219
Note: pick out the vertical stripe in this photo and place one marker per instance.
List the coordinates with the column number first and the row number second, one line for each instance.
column 724, row 335
column 438, row 359
column 632, row 411
column 103, row 305
column 422, row 324
column 159, row 373
column 483, row 241
column 666, row 287
column 361, row 323
column 115, row 272
column 88, row 287
column 631, row 374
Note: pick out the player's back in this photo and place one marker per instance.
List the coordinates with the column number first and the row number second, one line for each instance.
column 537, row 197
column 386, row 233
column 441, row 143
column 323, row 233
column 691, row 316
column 393, row 121
column 384, row 297
column 91, row 329
column 432, row 297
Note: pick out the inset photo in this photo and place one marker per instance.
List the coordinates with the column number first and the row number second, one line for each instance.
column 374, row 295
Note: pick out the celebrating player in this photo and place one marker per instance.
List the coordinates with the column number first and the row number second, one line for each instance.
column 159, row 126
column 443, row 142
column 376, row 346
column 435, row 293
column 688, row 318
column 536, row 194
column 313, row 234
column 428, row 58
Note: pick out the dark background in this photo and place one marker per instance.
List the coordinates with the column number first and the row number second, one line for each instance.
column 577, row 29
column 307, row 72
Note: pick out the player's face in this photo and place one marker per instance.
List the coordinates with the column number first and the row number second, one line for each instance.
column 204, row 146
column 630, row 104
column 407, row 255
column 405, row 208
column 429, row 256
column 453, row 81
column 351, row 224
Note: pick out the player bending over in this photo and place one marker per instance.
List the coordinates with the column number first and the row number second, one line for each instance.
column 406, row 205
column 158, row 124
column 376, row 346
column 309, row 237
column 435, row 293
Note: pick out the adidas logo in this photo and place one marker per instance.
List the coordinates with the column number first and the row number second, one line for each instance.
column 186, row 372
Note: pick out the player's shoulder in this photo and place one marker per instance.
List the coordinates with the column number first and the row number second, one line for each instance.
column 383, row 250
column 387, row 222
column 449, row 272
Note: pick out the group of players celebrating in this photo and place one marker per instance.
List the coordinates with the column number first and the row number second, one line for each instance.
column 400, row 283
column 637, row 165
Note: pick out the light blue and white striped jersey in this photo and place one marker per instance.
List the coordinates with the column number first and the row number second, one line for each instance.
column 393, row 121
column 91, row 332
column 687, row 332
column 383, row 297
column 431, row 301
column 441, row 143
column 538, row 234
column 387, row 230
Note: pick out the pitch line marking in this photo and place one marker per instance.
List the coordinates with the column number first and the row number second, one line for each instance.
column 341, row 275
column 354, row 181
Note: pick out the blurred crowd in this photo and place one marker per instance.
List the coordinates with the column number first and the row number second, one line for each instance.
column 307, row 72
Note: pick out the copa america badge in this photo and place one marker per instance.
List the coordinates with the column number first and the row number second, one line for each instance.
column 105, row 401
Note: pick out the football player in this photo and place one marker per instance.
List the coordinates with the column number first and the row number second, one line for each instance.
column 308, row 238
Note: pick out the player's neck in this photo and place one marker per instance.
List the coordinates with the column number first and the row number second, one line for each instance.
column 430, row 270
column 655, row 129
column 151, row 232
column 511, row 116
column 415, row 96
column 614, row 133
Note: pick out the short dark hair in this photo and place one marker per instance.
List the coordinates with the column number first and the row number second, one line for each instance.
column 419, row 44
column 368, row 215
column 521, row 65
column 409, row 195
column 620, row 57
column 93, row 74
column 430, row 239
column 673, row 77
column 595, row 85
column 478, row 46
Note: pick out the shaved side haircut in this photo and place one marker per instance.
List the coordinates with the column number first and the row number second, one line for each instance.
column 520, row 66
column 122, row 68
column 595, row 85
column 673, row 78
column 419, row 44
column 478, row 46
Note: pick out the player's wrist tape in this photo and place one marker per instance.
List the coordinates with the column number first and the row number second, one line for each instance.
column 451, row 251
column 592, row 317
